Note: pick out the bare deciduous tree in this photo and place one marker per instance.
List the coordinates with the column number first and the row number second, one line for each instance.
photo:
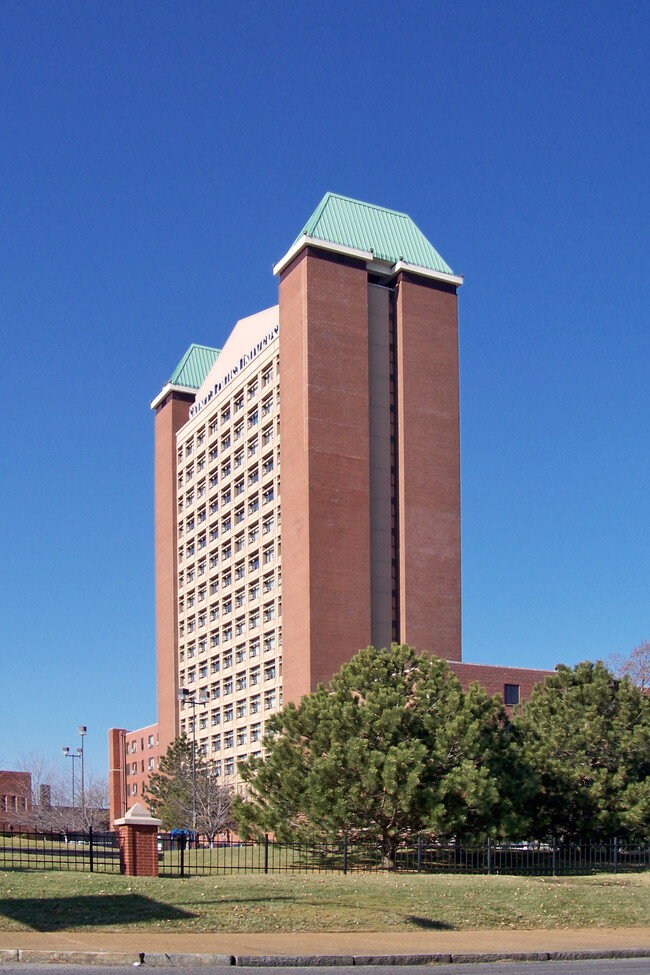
column 635, row 665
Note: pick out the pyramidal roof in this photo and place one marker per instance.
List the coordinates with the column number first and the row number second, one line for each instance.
column 390, row 235
column 194, row 366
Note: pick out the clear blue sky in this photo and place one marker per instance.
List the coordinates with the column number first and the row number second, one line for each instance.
column 158, row 157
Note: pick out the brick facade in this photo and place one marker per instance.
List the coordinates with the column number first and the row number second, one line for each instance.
column 496, row 679
column 15, row 800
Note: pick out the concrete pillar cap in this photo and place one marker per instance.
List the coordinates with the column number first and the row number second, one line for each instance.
column 137, row 815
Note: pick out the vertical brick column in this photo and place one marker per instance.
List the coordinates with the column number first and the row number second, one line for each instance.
column 428, row 447
column 116, row 773
column 325, row 467
column 172, row 413
column 138, row 839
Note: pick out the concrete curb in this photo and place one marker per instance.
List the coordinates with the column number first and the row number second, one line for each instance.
column 159, row 959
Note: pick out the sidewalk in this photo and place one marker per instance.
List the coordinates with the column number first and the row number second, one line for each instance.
column 334, row 948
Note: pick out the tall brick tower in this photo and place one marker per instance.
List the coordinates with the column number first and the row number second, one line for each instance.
column 307, row 493
column 370, row 441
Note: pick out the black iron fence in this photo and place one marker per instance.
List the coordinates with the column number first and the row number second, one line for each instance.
column 189, row 855
column 90, row 851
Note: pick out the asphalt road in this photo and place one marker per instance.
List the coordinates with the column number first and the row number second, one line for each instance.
column 616, row 966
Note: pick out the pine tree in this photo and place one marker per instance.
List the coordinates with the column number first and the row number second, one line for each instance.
column 393, row 747
column 585, row 735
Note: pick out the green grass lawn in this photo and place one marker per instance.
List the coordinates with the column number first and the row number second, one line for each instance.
column 53, row 900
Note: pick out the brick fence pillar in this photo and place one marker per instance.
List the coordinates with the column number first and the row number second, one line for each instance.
column 138, row 838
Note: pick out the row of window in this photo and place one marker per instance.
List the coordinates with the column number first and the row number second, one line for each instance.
column 10, row 803
column 265, row 587
column 132, row 767
column 240, row 709
column 232, row 491
column 247, row 393
column 236, row 404
column 228, row 467
column 252, row 505
column 239, row 682
column 251, row 534
column 133, row 745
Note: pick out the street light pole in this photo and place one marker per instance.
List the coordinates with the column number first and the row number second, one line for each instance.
column 186, row 695
column 82, row 731
column 69, row 754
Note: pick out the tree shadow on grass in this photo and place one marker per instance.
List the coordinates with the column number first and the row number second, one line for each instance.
column 428, row 924
column 61, row 913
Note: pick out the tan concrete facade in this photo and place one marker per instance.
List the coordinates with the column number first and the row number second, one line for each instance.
column 227, row 554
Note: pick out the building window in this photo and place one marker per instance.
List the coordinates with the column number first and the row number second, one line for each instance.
column 511, row 693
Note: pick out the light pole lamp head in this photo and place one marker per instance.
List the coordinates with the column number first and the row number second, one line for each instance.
column 80, row 751
column 183, row 693
column 82, row 729
column 66, row 751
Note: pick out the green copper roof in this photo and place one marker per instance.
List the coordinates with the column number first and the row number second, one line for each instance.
column 390, row 235
column 194, row 366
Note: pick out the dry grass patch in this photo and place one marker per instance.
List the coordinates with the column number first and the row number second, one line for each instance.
column 64, row 901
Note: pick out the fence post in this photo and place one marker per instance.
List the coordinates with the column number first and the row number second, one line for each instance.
column 554, row 858
column 489, row 856
column 90, row 848
column 345, row 854
column 266, row 853
column 138, row 832
column 419, row 854
column 615, row 854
